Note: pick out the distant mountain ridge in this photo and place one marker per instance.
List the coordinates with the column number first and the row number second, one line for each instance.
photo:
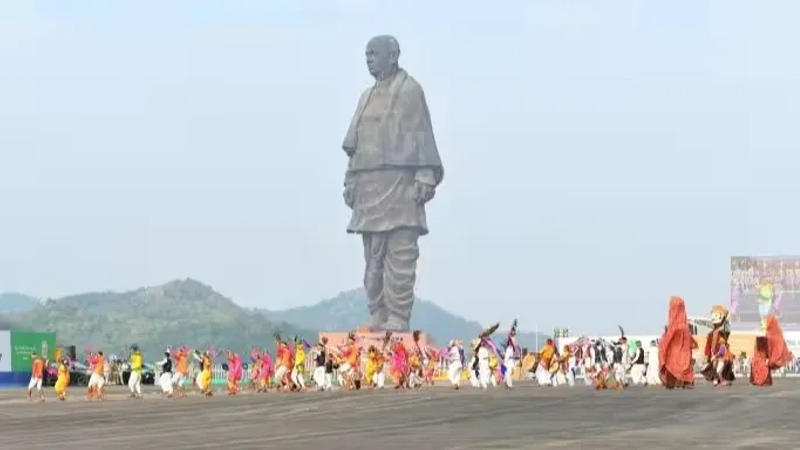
column 348, row 311
column 181, row 312
column 13, row 302
column 188, row 312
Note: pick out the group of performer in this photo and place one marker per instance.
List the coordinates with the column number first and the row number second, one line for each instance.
column 605, row 364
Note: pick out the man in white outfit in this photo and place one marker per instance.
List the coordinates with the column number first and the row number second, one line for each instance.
column 510, row 359
column 637, row 368
column 621, row 360
column 320, row 358
column 454, row 364
column 653, row 377
column 484, row 373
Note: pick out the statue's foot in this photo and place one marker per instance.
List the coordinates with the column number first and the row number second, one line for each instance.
column 376, row 321
column 395, row 323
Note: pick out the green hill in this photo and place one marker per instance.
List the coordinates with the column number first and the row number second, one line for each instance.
column 348, row 311
column 184, row 312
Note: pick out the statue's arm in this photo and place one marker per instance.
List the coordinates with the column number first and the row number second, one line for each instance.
column 424, row 185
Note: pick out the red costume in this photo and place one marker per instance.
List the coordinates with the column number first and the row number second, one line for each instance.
column 675, row 348
column 770, row 353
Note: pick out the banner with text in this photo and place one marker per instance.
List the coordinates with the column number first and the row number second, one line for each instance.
column 23, row 343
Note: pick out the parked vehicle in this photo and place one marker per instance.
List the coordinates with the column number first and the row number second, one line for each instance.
column 148, row 373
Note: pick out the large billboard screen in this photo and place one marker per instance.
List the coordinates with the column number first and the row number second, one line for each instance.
column 5, row 351
column 23, row 343
column 762, row 285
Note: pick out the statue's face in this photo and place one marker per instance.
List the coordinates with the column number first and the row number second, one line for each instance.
column 380, row 57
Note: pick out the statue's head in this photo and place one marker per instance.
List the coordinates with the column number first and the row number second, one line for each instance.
column 382, row 55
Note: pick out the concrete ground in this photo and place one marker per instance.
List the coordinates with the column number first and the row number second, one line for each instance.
column 527, row 417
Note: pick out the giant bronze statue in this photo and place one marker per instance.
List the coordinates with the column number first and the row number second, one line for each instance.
column 393, row 170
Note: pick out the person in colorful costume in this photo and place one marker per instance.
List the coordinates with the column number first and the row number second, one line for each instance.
column 399, row 365
column 37, row 375
column 299, row 368
column 544, row 376
column 719, row 361
column 283, row 365
column 181, row 357
column 371, row 366
column 97, row 379
column 267, row 371
column 204, row 378
column 235, row 371
column 255, row 370
column 135, row 378
column 770, row 353
column 675, row 348
column 62, row 382
column 566, row 374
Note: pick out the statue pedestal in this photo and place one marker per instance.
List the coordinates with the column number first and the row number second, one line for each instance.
column 366, row 338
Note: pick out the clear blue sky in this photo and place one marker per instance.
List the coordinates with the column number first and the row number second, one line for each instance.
column 599, row 156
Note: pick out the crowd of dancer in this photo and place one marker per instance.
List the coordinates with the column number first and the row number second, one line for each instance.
column 603, row 364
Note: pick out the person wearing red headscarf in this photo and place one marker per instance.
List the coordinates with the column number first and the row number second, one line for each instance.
column 675, row 348
column 770, row 353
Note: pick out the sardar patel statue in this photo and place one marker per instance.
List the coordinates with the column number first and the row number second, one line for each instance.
column 393, row 170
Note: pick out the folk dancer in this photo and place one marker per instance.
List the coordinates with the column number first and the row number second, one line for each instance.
column 255, row 370
column 135, row 378
column 621, row 359
column 97, row 379
column 770, row 353
column 638, row 365
column 181, row 357
column 235, row 371
column 675, row 348
column 267, row 371
column 511, row 356
column 399, row 365
column 165, row 379
column 204, row 378
column 320, row 357
column 299, row 368
column 653, row 377
column 484, row 370
column 715, row 348
column 544, row 376
column 283, row 365
column 37, row 375
column 454, row 364
column 62, row 382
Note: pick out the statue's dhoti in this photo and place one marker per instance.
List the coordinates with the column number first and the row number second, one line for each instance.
column 391, row 264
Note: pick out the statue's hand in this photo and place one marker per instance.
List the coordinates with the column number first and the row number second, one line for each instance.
column 423, row 192
column 349, row 194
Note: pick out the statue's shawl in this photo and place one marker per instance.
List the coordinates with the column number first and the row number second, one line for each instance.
column 405, row 130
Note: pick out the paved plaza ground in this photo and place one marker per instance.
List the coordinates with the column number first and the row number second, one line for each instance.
column 527, row 417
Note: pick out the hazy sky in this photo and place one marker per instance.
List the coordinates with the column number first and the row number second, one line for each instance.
column 599, row 156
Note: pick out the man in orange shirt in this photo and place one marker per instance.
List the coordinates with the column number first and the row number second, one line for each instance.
column 37, row 373
column 97, row 380
column 182, row 372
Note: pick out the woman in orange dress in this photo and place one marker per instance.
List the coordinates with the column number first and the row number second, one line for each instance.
column 675, row 348
column 770, row 353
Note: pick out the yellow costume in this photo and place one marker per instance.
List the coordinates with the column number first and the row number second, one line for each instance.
column 205, row 375
column 300, row 358
column 371, row 367
column 63, row 381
